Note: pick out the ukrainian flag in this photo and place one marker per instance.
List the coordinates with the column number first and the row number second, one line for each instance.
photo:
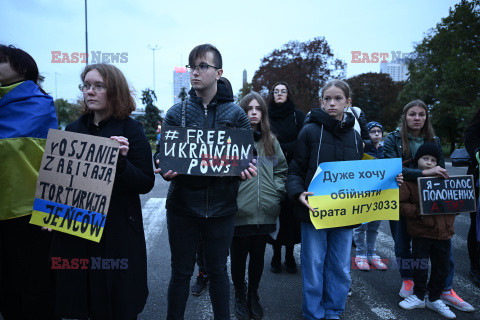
column 26, row 115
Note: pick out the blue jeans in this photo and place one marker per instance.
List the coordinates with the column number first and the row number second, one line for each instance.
column 403, row 250
column 184, row 233
column 371, row 230
column 325, row 259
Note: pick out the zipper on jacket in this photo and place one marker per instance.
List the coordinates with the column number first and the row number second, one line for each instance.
column 258, row 194
column 206, row 127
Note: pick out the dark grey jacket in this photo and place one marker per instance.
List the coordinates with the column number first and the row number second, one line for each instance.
column 200, row 195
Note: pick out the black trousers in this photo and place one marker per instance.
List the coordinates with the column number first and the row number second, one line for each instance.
column 200, row 257
column 473, row 245
column 240, row 249
column 184, row 233
column 439, row 253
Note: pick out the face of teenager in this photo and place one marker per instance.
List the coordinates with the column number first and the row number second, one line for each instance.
column 416, row 117
column 334, row 102
column 427, row 162
column 375, row 134
column 204, row 81
column 280, row 94
column 7, row 74
column 254, row 113
column 95, row 101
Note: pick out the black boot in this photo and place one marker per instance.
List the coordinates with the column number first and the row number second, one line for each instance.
column 290, row 264
column 253, row 301
column 241, row 307
column 276, row 264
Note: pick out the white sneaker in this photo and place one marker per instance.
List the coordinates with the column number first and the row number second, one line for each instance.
column 412, row 302
column 441, row 308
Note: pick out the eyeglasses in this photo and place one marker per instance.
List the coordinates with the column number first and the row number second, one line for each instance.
column 98, row 88
column 376, row 131
column 202, row 67
column 279, row 92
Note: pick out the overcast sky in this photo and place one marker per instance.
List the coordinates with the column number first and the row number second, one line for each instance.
column 244, row 32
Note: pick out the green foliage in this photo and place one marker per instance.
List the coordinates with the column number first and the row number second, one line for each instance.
column 67, row 112
column 306, row 66
column 445, row 73
column 376, row 94
column 152, row 117
column 183, row 94
column 246, row 88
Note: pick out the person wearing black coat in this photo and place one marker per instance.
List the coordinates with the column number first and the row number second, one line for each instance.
column 109, row 293
column 201, row 207
column 472, row 144
column 325, row 253
column 286, row 122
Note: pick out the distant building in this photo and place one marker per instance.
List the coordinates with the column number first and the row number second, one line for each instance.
column 181, row 79
column 397, row 70
column 244, row 77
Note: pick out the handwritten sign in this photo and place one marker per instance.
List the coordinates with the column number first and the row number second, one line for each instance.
column 441, row 196
column 353, row 192
column 208, row 152
column 75, row 183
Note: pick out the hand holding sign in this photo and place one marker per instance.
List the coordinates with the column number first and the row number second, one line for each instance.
column 166, row 176
column 123, row 144
column 436, row 172
column 303, row 200
column 250, row 171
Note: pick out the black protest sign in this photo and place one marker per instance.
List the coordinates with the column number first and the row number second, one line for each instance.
column 75, row 183
column 205, row 152
column 441, row 196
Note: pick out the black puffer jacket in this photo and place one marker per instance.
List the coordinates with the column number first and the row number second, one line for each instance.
column 323, row 139
column 200, row 195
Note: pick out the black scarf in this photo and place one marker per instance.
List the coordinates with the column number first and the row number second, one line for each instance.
column 281, row 110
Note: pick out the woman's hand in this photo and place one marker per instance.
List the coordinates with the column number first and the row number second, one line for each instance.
column 303, row 200
column 436, row 172
column 250, row 172
column 168, row 175
column 123, row 144
column 399, row 179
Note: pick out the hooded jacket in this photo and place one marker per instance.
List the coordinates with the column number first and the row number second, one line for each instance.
column 259, row 198
column 323, row 139
column 439, row 227
column 204, row 196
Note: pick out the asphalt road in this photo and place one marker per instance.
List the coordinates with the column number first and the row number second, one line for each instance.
column 375, row 293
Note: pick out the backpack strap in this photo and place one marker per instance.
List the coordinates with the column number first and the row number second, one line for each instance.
column 184, row 107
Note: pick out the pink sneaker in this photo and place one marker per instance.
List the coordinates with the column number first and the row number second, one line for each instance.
column 362, row 263
column 451, row 298
column 407, row 288
column 377, row 263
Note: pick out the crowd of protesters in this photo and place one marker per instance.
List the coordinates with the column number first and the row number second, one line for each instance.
column 210, row 218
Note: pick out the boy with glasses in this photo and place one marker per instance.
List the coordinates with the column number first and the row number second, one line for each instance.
column 203, row 207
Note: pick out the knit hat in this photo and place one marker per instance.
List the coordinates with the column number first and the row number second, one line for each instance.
column 372, row 124
column 428, row 148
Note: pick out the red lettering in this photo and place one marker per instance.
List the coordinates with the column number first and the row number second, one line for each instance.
column 384, row 55
column 55, row 263
column 65, row 264
column 75, row 57
column 365, row 59
column 66, row 58
column 435, row 207
column 355, row 55
column 375, row 57
column 55, row 55
column 84, row 263
column 84, row 56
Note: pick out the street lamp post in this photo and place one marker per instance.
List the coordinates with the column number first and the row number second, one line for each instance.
column 153, row 50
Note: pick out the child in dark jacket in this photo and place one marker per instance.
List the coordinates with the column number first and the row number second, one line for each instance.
column 431, row 236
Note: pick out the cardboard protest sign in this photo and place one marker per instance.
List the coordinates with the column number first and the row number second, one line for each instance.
column 207, row 152
column 75, row 183
column 453, row 195
column 353, row 192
